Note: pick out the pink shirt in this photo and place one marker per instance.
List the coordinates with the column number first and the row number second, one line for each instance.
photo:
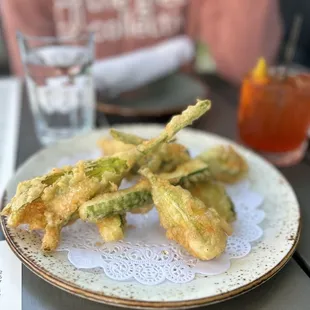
column 237, row 32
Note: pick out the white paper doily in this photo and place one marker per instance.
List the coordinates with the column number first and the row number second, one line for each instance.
column 146, row 255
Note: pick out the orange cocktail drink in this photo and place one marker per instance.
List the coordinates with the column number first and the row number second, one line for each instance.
column 274, row 114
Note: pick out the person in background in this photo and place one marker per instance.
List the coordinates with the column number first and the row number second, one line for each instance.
column 146, row 39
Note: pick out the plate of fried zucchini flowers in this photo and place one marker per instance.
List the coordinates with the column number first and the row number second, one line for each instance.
column 150, row 216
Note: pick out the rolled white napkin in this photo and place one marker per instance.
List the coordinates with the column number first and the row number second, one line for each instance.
column 132, row 70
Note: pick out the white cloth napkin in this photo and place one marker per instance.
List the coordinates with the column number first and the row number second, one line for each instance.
column 10, row 279
column 10, row 91
column 117, row 74
column 10, row 266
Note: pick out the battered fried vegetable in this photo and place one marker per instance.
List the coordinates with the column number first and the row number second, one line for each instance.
column 213, row 194
column 110, row 147
column 139, row 195
column 165, row 159
column 51, row 238
column 190, row 172
column 225, row 164
column 34, row 215
column 171, row 155
column 115, row 203
column 111, row 228
column 29, row 192
column 64, row 191
column 126, row 138
column 63, row 198
column 199, row 230
column 184, row 175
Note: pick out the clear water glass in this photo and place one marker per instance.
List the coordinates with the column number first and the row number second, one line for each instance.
column 60, row 84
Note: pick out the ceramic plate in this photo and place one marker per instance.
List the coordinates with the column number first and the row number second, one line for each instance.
column 165, row 96
column 281, row 232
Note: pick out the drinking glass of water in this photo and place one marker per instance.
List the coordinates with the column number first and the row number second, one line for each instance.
column 60, row 84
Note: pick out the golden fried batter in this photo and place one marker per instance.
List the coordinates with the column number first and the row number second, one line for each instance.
column 111, row 228
column 199, row 230
column 63, row 198
column 35, row 216
column 225, row 164
column 110, row 147
column 213, row 195
column 165, row 159
column 51, row 238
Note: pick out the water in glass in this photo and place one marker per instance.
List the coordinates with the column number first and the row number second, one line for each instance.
column 61, row 90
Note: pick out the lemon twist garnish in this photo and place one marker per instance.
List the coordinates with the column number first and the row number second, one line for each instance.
column 260, row 71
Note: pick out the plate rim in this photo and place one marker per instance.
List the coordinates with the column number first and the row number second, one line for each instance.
column 125, row 302
column 135, row 303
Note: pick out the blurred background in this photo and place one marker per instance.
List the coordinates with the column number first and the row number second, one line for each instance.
column 4, row 59
column 151, row 58
column 288, row 9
